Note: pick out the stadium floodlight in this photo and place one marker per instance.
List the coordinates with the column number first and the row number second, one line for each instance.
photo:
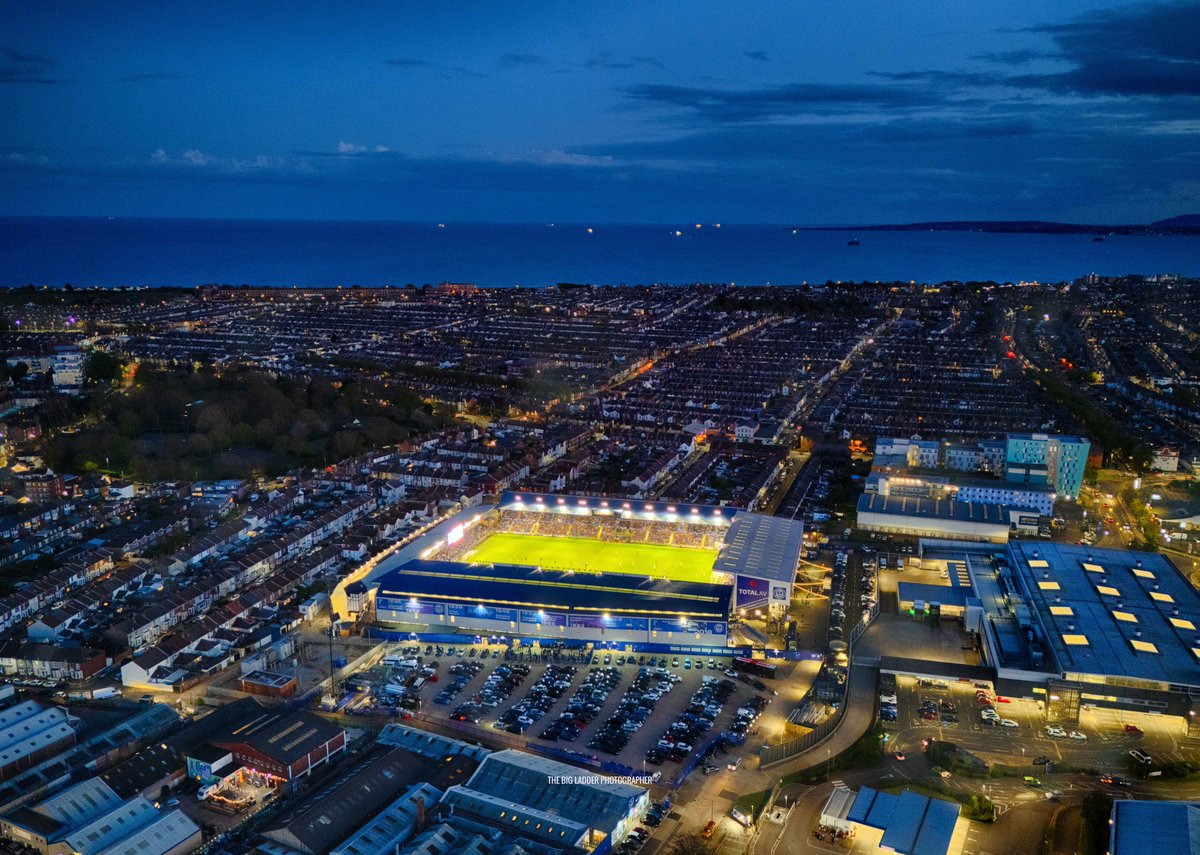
column 625, row 505
column 695, row 510
column 670, row 509
column 603, row 503
column 649, row 506
column 518, row 499
column 538, row 500
column 607, row 617
column 561, row 500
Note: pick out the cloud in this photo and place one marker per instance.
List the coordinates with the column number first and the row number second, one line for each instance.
column 520, row 60
column 607, row 60
column 422, row 64
column 151, row 76
column 773, row 102
column 759, row 55
column 1011, row 57
column 558, row 157
column 1146, row 49
column 18, row 66
column 1130, row 51
column 344, row 147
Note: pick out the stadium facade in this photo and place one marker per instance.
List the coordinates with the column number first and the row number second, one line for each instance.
column 589, row 569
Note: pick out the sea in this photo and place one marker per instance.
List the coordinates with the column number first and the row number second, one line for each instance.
column 90, row 252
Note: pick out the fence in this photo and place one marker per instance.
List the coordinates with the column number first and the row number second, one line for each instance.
column 769, row 754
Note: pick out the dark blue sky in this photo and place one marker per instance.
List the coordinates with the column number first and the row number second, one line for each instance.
column 801, row 112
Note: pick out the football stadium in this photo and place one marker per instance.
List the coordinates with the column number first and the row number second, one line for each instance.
column 589, row 569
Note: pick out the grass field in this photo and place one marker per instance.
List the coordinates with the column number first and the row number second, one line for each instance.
column 576, row 553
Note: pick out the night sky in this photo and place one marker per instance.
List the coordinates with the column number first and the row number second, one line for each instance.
column 793, row 112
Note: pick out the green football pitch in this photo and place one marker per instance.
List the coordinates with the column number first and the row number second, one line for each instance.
column 683, row 564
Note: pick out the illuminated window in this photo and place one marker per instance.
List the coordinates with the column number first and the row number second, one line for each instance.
column 1161, row 597
column 1196, row 652
column 1039, row 562
column 1093, row 568
column 1181, row 623
column 1075, row 639
column 1062, row 611
column 1108, row 591
column 1142, row 646
column 1144, row 574
column 1128, row 617
column 1049, row 586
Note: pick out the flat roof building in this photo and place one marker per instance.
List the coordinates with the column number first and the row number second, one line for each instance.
column 925, row 517
column 89, row 818
column 30, row 733
column 1147, row 826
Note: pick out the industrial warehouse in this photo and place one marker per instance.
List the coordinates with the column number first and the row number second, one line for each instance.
column 1072, row 625
column 588, row 569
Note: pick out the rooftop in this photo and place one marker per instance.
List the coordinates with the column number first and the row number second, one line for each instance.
column 527, row 587
column 912, row 824
column 757, row 545
column 1147, row 826
column 944, row 509
column 1112, row 612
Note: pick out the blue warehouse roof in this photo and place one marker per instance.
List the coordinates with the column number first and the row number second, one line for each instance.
column 528, row 587
column 912, row 824
column 1144, row 826
column 1111, row 611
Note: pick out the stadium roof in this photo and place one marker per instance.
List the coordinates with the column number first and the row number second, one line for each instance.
column 561, row 590
column 1145, row 826
column 636, row 508
column 912, row 824
column 1111, row 611
column 761, row 546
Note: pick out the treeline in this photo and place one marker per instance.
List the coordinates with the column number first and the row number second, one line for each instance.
column 176, row 423
column 1098, row 424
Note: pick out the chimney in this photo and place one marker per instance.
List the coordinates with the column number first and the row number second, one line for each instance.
column 420, row 815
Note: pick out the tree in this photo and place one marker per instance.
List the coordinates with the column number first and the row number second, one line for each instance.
column 19, row 371
column 980, row 809
column 692, row 844
column 103, row 367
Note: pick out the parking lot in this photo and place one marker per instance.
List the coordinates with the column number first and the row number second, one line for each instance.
column 644, row 711
column 957, row 712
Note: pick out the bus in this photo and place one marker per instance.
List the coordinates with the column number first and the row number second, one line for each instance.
column 754, row 667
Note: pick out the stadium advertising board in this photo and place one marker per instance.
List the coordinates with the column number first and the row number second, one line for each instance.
column 752, row 593
column 708, row 627
column 480, row 612
column 613, row 623
column 534, row 618
column 402, row 606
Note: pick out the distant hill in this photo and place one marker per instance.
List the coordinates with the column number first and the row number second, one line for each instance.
column 1190, row 221
column 1187, row 224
